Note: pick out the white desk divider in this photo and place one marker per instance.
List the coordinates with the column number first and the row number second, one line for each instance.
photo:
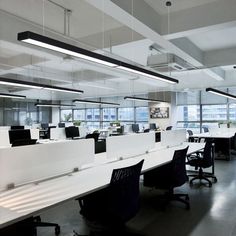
column 33, row 163
column 34, row 133
column 57, row 133
column 171, row 138
column 4, row 138
column 125, row 146
column 82, row 131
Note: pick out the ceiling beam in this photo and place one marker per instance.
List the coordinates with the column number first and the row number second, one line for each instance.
column 120, row 10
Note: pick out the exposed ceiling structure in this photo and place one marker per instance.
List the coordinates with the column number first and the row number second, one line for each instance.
column 200, row 38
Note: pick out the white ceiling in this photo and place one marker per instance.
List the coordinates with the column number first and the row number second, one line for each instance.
column 104, row 25
column 215, row 39
column 177, row 5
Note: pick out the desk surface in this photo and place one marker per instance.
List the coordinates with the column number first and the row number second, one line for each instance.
column 214, row 135
column 22, row 202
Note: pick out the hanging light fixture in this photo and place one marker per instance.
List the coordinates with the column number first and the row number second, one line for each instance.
column 20, row 83
column 220, row 93
column 58, row 46
column 7, row 95
column 95, row 102
column 52, row 105
column 141, row 99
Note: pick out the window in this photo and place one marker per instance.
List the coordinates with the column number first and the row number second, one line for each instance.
column 109, row 114
column 126, row 114
column 93, row 114
column 142, row 114
column 214, row 113
column 66, row 115
column 232, row 112
column 79, row 115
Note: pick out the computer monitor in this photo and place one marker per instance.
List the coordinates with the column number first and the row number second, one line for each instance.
column 44, row 125
column 135, row 128
column 61, row 125
column 17, row 127
column 22, row 142
column 19, row 135
column 72, row 132
column 152, row 126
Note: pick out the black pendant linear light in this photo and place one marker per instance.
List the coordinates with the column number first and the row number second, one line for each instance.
column 142, row 99
column 220, row 93
column 52, row 105
column 58, row 46
column 26, row 84
column 8, row 95
column 95, row 102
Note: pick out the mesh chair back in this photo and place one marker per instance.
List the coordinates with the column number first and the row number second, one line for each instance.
column 205, row 129
column 169, row 128
column 207, row 159
column 124, row 186
column 179, row 169
column 190, row 132
column 93, row 135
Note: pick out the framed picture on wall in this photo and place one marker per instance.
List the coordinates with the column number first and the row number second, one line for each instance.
column 159, row 112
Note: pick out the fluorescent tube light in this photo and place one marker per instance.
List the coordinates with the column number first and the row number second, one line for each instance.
column 19, row 83
column 52, row 105
column 220, row 93
column 58, row 46
column 6, row 95
column 142, row 99
column 95, row 102
column 147, row 73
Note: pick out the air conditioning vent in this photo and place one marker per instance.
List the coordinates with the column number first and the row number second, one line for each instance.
column 160, row 63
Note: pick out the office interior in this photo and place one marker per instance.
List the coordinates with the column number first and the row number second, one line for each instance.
column 88, row 87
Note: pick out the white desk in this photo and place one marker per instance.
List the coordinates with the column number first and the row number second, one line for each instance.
column 220, row 138
column 22, row 202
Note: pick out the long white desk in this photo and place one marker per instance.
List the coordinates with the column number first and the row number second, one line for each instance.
column 224, row 135
column 28, row 200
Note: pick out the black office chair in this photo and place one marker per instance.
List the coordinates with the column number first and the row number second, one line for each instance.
column 205, row 129
column 169, row 128
column 169, row 176
column 200, row 160
column 93, row 135
column 107, row 210
column 190, row 133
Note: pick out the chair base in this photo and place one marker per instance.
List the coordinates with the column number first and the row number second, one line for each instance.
column 203, row 176
column 180, row 197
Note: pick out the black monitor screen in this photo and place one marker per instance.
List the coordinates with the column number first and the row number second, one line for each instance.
column 44, row 125
column 135, row 127
column 61, row 125
column 19, row 135
column 153, row 126
column 17, row 127
column 72, row 132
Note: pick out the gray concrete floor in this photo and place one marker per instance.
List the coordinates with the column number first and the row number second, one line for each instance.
column 212, row 213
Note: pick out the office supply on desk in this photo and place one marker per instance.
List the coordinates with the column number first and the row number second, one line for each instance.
column 169, row 127
column 201, row 160
column 112, row 207
column 72, row 132
column 170, row 176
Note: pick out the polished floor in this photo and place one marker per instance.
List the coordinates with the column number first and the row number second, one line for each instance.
column 212, row 213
